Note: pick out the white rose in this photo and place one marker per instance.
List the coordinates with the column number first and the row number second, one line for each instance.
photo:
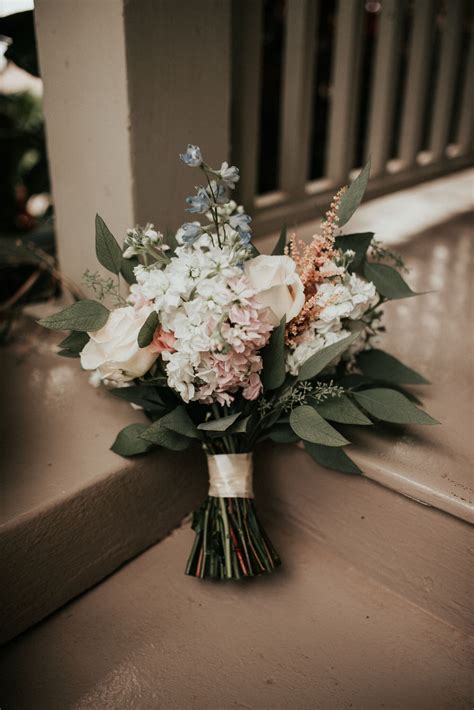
column 113, row 350
column 277, row 284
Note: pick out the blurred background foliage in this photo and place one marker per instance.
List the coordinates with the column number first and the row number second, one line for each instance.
column 27, row 247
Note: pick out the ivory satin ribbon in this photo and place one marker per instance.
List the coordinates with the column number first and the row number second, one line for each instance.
column 230, row 475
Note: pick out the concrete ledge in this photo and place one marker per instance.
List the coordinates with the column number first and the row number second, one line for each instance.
column 71, row 510
column 414, row 550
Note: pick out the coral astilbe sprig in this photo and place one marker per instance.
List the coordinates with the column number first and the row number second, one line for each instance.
column 310, row 260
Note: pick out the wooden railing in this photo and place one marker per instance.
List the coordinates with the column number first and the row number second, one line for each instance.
column 400, row 89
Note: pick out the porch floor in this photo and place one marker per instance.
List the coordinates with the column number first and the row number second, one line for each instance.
column 318, row 634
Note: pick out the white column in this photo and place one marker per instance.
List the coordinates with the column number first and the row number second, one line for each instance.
column 128, row 83
column 83, row 64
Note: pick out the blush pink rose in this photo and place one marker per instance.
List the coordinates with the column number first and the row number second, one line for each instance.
column 163, row 341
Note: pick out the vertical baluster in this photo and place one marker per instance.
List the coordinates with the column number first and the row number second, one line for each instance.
column 418, row 67
column 443, row 103
column 297, row 95
column 246, row 58
column 345, row 82
column 383, row 93
column 464, row 137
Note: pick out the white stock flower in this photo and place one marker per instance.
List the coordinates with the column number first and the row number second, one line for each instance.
column 113, row 350
column 277, row 285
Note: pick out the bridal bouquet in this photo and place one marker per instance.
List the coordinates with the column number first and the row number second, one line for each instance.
column 223, row 347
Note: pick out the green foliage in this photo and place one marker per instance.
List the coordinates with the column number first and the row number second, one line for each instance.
column 316, row 363
column 73, row 344
column 102, row 287
column 382, row 366
column 126, row 269
column 352, row 198
column 144, row 396
column 358, row 243
column 129, row 441
column 279, row 248
column 336, row 459
column 282, row 434
column 107, row 249
column 221, row 424
column 391, row 406
column 342, row 410
column 160, row 436
column 75, row 341
column 83, row 316
column 379, row 252
column 387, row 281
column 310, row 426
column 145, row 335
column 173, row 431
column 273, row 374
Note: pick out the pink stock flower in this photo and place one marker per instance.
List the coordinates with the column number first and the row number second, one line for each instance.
column 163, row 341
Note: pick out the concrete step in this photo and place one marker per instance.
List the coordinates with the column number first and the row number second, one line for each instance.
column 318, row 634
column 72, row 511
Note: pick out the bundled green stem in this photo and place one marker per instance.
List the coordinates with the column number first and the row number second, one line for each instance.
column 230, row 541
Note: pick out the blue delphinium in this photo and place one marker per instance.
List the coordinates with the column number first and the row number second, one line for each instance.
column 200, row 202
column 191, row 231
column 241, row 223
column 218, row 192
column 211, row 200
column 192, row 156
column 229, row 175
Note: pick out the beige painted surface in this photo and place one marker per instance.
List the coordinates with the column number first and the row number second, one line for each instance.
column 82, row 59
column 318, row 634
column 71, row 511
column 434, row 334
column 178, row 63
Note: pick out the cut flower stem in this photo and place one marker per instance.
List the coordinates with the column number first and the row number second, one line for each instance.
column 230, row 541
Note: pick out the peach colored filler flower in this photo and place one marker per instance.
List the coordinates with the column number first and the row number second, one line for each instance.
column 309, row 259
column 162, row 341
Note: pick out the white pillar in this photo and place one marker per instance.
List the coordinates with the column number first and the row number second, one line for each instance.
column 83, row 64
column 127, row 84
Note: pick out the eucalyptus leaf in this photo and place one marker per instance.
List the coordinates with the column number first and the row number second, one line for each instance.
column 342, row 410
column 107, row 249
column 240, row 427
column 179, row 421
column 144, row 396
column 145, row 335
column 68, row 353
column 129, row 441
column 75, row 341
column 221, row 424
column 310, row 426
column 83, row 316
column 279, row 248
column 165, row 437
column 336, row 459
column 282, row 434
column 126, row 269
column 382, row 366
column 324, row 357
column 391, row 406
column 352, row 198
column 273, row 354
column 387, row 281
column 358, row 243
